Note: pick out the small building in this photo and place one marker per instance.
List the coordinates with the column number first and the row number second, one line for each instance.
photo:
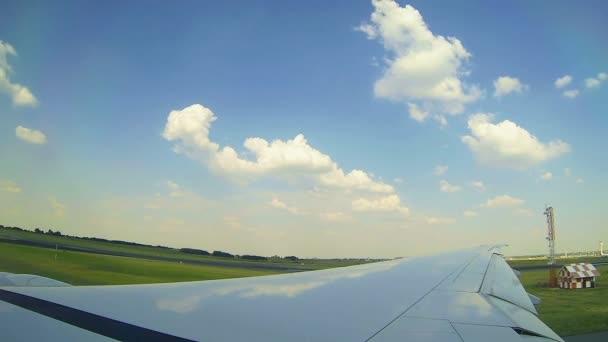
column 578, row 276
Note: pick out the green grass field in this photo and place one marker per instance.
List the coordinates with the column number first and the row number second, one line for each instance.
column 94, row 269
column 570, row 312
column 308, row 264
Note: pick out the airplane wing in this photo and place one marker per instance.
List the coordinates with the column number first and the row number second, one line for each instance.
column 469, row 295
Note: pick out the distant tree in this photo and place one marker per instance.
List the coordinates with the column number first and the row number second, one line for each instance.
column 194, row 251
column 38, row 230
column 253, row 257
column 291, row 257
column 222, row 254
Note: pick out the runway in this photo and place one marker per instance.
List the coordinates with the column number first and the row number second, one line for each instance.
column 218, row 263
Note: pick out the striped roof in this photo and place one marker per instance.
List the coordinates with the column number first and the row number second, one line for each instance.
column 581, row 270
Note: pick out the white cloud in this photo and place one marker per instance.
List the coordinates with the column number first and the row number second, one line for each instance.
column 592, row 83
column 570, row 93
column 470, row 213
column 502, row 201
column 579, row 181
column 31, row 136
column 420, row 65
column 277, row 203
column 189, row 128
column 355, row 180
column 563, row 81
column 444, row 186
column 440, row 170
column 439, row 220
column 6, row 50
column 7, row 185
column 335, row 217
column 175, row 190
column 477, row 185
column 523, row 212
column 388, row 203
column 567, row 172
column 595, row 82
column 57, row 207
column 398, row 180
column 546, row 176
column 505, row 85
column 21, row 95
column 416, row 113
column 443, row 122
column 508, row 145
column 172, row 185
column 369, row 30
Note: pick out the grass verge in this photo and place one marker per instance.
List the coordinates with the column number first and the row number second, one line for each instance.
column 95, row 269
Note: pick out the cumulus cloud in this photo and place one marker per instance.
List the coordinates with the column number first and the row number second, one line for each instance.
column 388, row 203
column 416, row 113
column 470, row 213
column 477, row 185
column 7, row 185
column 595, row 82
column 440, row 170
column 354, row 180
column 570, row 93
column 439, row 220
column 443, row 122
column 592, row 83
column 31, row 136
column 502, row 201
column 420, row 65
column 398, row 180
column 277, row 203
column 563, row 81
column 444, row 186
column 508, row 145
column 546, row 176
column 189, row 128
column 567, row 172
column 21, row 95
column 579, row 180
column 505, row 85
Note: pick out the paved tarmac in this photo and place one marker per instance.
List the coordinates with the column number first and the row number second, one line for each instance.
column 542, row 267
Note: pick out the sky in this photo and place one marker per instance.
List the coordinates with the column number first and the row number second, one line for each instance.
column 316, row 129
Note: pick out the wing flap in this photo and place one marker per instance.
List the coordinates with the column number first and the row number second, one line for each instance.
column 503, row 283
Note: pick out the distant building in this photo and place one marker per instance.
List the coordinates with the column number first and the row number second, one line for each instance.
column 577, row 276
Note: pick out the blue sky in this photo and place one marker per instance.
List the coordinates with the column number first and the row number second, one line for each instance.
column 386, row 96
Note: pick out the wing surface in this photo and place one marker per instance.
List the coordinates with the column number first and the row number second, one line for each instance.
column 469, row 295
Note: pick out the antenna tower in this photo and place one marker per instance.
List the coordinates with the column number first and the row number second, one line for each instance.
column 551, row 240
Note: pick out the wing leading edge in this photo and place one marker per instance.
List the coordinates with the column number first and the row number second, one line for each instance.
column 467, row 295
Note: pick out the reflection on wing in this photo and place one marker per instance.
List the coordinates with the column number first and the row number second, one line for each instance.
column 289, row 289
column 461, row 296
